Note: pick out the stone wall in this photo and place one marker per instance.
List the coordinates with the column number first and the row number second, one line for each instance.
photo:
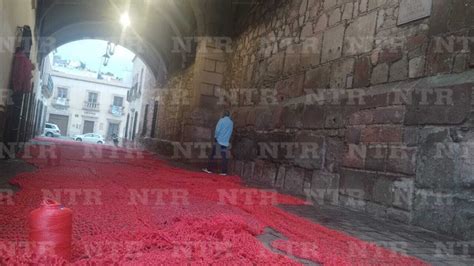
column 336, row 102
column 361, row 143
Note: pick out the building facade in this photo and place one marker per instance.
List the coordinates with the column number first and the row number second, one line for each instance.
column 81, row 105
column 141, row 98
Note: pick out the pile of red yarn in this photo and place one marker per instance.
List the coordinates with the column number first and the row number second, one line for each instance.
column 131, row 208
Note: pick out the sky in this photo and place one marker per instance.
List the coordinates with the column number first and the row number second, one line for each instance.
column 90, row 52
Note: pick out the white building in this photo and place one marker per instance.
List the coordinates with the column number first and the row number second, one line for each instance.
column 142, row 102
column 81, row 105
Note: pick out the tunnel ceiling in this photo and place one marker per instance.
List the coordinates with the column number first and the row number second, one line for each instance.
column 156, row 25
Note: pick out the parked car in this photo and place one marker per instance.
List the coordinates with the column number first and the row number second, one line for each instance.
column 51, row 130
column 90, row 138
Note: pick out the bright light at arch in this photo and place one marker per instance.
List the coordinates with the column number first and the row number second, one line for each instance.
column 125, row 20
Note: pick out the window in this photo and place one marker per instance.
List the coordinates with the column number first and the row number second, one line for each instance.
column 155, row 117
column 145, row 121
column 140, row 81
column 118, row 101
column 62, row 93
column 93, row 97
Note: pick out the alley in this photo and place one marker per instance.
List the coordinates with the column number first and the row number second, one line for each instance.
column 130, row 207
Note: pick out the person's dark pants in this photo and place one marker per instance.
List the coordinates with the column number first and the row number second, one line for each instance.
column 212, row 163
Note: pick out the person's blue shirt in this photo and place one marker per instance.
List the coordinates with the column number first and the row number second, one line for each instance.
column 224, row 129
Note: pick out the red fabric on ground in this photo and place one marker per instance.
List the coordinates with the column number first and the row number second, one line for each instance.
column 131, row 209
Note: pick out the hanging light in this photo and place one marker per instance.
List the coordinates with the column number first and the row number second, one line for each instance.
column 111, row 48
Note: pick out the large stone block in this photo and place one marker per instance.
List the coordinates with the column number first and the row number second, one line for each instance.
column 212, row 78
column 340, row 72
column 196, row 133
column 239, row 168
column 276, row 146
column 382, row 134
column 294, row 181
column 280, row 177
column 325, row 187
column 313, row 117
column 309, row 150
column 439, row 60
column 467, row 165
column 360, row 33
column 357, row 184
column 244, row 148
column 434, row 211
column 292, row 116
column 291, row 87
column 380, row 74
column 249, row 168
column 440, row 106
column 334, row 117
column 333, row 43
column 416, row 67
column 463, row 223
column 317, row 78
column 264, row 119
column 383, row 115
column 403, row 190
column 398, row 215
column 311, row 51
column 437, row 161
column 355, row 156
column 376, row 157
column 275, row 66
column 353, row 135
column 401, row 159
column 362, row 70
column 352, row 203
column 292, row 59
column 334, row 153
column 269, row 174
column 258, row 171
column 399, row 70
column 382, row 191
column 389, row 55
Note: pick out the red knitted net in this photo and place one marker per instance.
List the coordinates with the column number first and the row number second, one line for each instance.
column 131, row 208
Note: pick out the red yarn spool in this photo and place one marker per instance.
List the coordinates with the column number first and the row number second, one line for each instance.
column 51, row 230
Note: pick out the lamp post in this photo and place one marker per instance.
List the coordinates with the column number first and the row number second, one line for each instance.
column 109, row 52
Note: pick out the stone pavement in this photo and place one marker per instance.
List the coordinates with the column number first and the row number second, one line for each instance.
column 413, row 241
column 429, row 246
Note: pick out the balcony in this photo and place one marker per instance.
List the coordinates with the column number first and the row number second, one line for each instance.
column 47, row 89
column 91, row 106
column 117, row 111
column 60, row 103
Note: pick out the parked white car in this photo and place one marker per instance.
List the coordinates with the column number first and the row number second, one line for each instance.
column 90, row 138
column 51, row 130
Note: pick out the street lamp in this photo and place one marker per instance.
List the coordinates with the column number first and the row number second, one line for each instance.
column 125, row 20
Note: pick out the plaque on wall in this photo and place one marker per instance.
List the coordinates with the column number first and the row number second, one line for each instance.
column 411, row 10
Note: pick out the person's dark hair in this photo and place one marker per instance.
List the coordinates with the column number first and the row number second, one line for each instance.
column 226, row 113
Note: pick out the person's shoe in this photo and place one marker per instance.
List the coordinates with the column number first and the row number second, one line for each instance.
column 205, row 170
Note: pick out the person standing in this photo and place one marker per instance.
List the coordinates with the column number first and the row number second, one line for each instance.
column 222, row 136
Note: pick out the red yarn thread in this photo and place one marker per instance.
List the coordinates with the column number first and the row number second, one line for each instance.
column 51, row 230
column 203, row 229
